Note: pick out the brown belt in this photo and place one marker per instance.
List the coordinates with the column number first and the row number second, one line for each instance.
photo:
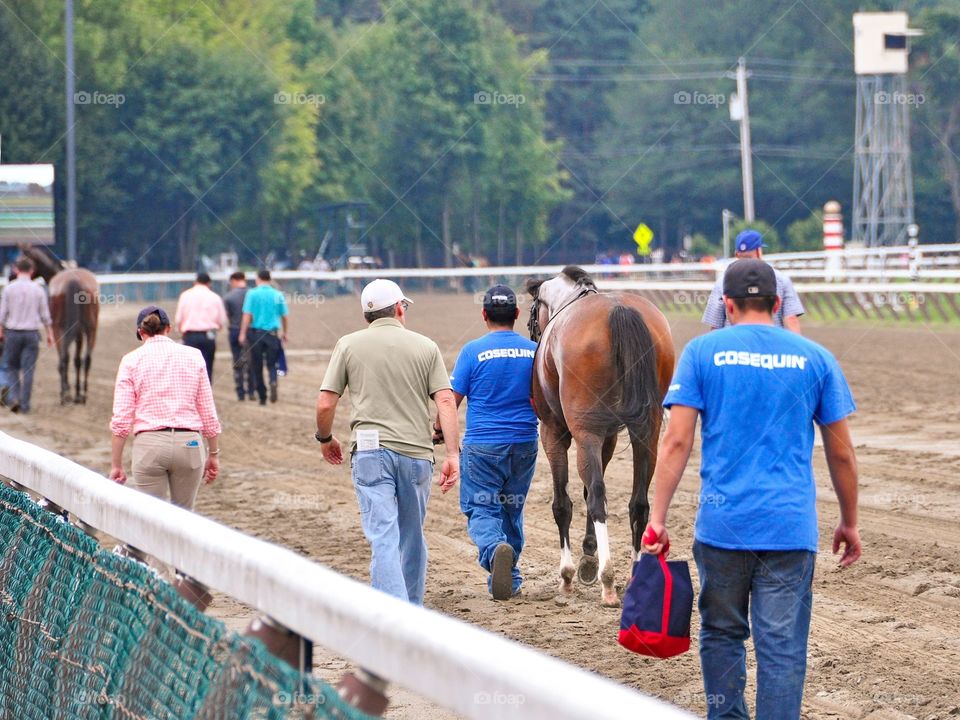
column 170, row 429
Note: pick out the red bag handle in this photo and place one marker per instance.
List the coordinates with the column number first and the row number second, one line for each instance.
column 649, row 538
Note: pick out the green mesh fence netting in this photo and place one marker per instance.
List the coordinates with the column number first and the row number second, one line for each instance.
column 88, row 634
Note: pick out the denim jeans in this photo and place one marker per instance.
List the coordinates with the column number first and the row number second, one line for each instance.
column 776, row 586
column 392, row 490
column 20, row 351
column 494, row 481
column 264, row 348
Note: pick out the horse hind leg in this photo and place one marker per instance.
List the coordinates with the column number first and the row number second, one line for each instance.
column 78, row 366
column 556, row 443
column 644, row 461
column 590, row 465
column 87, row 360
column 589, row 565
column 63, row 366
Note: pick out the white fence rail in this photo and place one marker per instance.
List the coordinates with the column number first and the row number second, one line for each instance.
column 468, row 670
column 879, row 264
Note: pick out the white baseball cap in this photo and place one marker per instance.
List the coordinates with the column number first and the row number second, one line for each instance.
column 380, row 294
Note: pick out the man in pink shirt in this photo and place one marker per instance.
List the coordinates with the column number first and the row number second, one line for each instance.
column 163, row 397
column 199, row 315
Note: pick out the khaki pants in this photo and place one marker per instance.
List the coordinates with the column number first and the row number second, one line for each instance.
column 169, row 465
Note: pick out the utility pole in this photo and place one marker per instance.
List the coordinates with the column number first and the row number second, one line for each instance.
column 727, row 217
column 740, row 110
column 71, row 141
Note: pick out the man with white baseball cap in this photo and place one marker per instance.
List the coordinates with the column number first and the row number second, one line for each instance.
column 392, row 373
column 380, row 294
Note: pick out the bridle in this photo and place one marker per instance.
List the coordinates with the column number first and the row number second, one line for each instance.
column 533, row 324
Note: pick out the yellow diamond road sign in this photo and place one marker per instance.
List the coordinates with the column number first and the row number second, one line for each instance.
column 643, row 236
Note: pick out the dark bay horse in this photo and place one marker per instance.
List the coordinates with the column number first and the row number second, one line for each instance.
column 603, row 363
column 75, row 311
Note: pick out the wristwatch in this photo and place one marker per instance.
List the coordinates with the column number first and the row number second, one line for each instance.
column 326, row 439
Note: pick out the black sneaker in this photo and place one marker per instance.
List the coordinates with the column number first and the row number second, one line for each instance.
column 273, row 392
column 263, row 401
column 501, row 572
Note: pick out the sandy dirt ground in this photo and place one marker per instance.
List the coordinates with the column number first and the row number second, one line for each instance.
column 885, row 640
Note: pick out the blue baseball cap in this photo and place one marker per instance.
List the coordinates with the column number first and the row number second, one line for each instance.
column 749, row 240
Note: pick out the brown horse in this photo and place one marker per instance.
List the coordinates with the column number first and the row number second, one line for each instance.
column 603, row 363
column 75, row 310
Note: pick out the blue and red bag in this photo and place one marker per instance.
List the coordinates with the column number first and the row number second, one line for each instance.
column 656, row 607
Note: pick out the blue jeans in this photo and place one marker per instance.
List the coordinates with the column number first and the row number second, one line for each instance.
column 494, row 481
column 20, row 351
column 776, row 586
column 392, row 490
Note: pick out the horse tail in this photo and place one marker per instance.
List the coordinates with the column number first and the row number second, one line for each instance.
column 71, row 324
column 635, row 360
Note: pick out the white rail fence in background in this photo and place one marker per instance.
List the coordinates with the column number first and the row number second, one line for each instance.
column 905, row 301
column 900, row 283
column 471, row 671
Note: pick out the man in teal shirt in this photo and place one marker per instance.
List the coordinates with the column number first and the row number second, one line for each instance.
column 264, row 325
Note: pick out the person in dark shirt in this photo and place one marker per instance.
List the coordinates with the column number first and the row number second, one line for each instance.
column 242, row 370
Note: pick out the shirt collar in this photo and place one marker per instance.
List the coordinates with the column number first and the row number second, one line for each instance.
column 383, row 322
column 158, row 338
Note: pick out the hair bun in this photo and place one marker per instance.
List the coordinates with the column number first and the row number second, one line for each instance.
column 151, row 324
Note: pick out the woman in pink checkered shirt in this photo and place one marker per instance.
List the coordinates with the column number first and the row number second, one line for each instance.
column 163, row 397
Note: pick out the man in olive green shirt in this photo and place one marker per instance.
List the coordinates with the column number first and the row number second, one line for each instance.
column 392, row 373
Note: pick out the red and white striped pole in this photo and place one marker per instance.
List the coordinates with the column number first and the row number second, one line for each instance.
column 833, row 241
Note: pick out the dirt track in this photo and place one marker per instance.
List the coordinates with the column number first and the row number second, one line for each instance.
column 885, row 641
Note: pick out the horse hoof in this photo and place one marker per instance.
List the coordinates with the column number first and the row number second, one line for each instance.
column 566, row 580
column 587, row 573
column 609, row 599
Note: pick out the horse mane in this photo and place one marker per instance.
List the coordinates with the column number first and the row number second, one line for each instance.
column 532, row 286
column 579, row 276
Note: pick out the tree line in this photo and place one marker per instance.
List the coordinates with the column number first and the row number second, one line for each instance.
column 515, row 130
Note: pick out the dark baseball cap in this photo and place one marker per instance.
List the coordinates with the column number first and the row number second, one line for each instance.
column 153, row 310
column 749, row 278
column 499, row 296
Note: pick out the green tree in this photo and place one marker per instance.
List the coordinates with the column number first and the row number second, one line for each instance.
column 806, row 234
column 196, row 123
column 936, row 63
